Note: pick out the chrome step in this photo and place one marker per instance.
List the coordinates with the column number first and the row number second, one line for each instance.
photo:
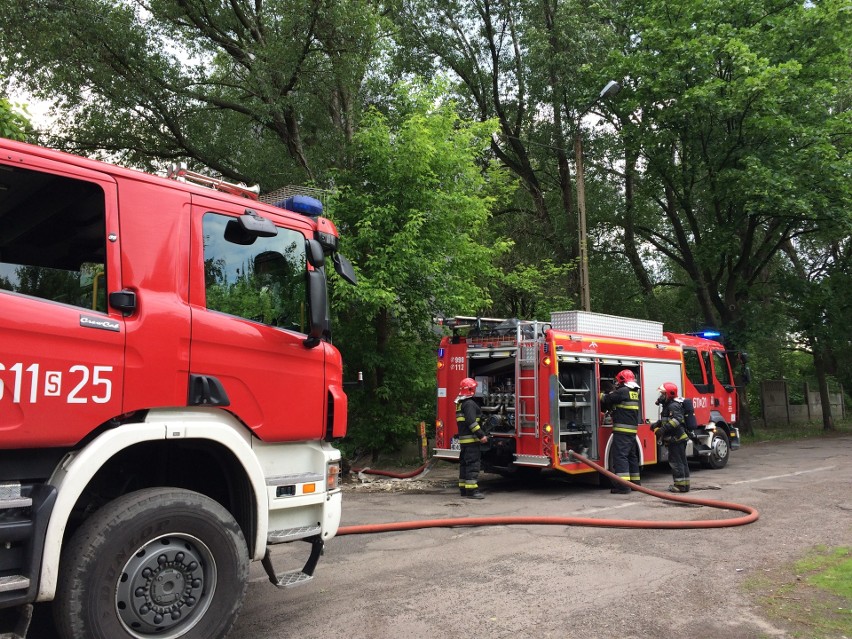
column 10, row 496
column 291, row 534
column 294, row 577
column 10, row 490
column 291, row 579
column 14, row 582
column 21, row 502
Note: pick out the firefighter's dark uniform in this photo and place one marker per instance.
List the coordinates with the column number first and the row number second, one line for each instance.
column 624, row 406
column 470, row 431
column 671, row 430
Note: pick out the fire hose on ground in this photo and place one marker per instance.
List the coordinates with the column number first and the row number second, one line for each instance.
column 750, row 516
column 387, row 473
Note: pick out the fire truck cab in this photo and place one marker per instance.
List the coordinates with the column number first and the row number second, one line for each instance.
column 539, row 387
column 168, row 394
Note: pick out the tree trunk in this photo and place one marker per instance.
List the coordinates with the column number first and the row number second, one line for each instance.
column 744, row 421
column 825, row 400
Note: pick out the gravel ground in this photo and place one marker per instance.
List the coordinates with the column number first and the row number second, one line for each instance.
column 530, row 581
column 505, row 582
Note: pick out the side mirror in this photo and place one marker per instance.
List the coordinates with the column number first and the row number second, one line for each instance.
column 315, row 254
column 318, row 296
column 257, row 225
column 245, row 229
column 344, row 268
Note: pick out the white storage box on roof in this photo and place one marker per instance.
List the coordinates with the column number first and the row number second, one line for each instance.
column 607, row 325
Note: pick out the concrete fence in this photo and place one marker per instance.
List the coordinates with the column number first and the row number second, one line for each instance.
column 777, row 409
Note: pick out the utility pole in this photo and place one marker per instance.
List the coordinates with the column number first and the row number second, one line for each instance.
column 612, row 87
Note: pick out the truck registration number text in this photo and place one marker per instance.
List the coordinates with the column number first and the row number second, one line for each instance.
column 78, row 385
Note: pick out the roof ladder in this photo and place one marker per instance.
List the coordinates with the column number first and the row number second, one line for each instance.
column 180, row 173
column 526, row 383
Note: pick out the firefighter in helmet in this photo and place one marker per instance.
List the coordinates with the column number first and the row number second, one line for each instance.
column 471, row 435
column 671, row 429
column 624, row 406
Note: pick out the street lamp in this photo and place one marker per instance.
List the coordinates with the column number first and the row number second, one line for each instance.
column 612, row 87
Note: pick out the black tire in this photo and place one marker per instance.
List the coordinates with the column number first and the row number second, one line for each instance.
column 160, row 562
column 720, row 451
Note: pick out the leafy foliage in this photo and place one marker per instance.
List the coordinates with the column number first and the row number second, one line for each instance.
column 738, row 135
column 411, row 211
column 14, row 123
column 259, row 92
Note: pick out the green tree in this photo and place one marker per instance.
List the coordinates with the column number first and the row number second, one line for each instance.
column 733, row 109
column 14, row 123
column 260, row 91
column 411, row 211
column 735, row 141
column 520, row 63
column 815, row 290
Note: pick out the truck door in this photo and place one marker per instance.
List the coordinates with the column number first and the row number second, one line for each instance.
column 249, row 323
column 725, row 396
column 698, row 382
column 61, row 345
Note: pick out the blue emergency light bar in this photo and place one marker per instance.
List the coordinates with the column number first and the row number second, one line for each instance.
column 302, row 204
column 708, row 334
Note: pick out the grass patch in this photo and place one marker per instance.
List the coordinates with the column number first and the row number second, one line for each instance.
column 813, row 597
column 791, row 432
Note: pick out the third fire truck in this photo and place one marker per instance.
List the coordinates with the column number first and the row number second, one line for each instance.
column 539, row 386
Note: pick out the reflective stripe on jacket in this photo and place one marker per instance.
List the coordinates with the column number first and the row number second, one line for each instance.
column 672, row 421
column 624, row 406
column 467, row 418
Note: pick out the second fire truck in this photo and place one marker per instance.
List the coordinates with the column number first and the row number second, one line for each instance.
column 539, row 386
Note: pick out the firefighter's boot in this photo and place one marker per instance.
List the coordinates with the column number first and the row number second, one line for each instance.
column 462, row 491
column 475, row 494
column 619, row 489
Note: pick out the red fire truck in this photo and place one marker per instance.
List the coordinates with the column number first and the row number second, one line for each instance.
column 168, row 392
column 539, row 386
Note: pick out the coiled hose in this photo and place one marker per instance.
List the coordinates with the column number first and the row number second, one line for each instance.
column 750, row 516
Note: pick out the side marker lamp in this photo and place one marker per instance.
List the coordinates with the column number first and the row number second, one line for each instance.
column 332, row 479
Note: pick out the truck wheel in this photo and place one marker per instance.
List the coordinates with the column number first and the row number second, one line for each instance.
column 160, row 562
column 720, row 450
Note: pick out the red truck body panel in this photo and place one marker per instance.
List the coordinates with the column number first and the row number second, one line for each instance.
column 66, row 370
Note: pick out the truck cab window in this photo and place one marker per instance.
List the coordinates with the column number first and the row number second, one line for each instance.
column 52, row 238
column 698, row 369
column 264, row 281
column 720, row 366
column 694, row 372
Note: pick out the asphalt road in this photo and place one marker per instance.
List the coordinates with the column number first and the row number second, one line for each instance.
column 508, row 582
